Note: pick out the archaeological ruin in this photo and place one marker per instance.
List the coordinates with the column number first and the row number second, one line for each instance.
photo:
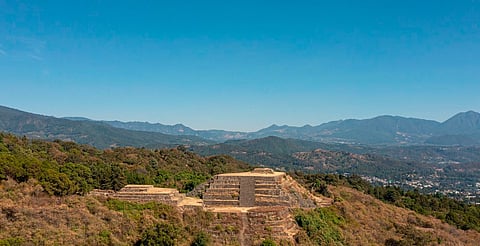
column 256, row 203
column 148, row 193
column 261, row 187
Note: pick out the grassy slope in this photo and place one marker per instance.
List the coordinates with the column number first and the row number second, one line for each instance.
column 34, row 218
column 372, row 222
column 29, row 215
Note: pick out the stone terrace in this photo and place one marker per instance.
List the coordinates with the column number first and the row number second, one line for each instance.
column 149, row 193
column 260, row 187
column 254, row 205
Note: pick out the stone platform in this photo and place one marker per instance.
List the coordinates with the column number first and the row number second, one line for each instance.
column 259, row 188
column 249, row 206
column 145, row 193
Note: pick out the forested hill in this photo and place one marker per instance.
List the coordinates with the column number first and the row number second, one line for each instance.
column 293, row 154
column 98, row 134
column 40, row 184
column 65, row 168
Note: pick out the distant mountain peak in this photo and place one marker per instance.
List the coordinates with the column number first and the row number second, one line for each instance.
column 468, row 115
column 472, row 112
column 466, row 124
column 271, row 127
column 75, row 118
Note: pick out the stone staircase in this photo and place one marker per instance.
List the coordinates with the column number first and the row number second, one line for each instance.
column 223, row 191
column 251, row 189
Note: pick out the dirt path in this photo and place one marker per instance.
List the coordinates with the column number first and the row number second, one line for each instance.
column 241, row 236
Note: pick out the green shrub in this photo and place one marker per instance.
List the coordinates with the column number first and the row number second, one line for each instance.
column 322, row 225
column 201, row 239
column 268, row 242
column 162, row 234
column 134, row 210
column 12, row 241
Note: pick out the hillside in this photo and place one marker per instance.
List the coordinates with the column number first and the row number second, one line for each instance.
column 385, row 130
column 178, row 129
column 65, row 168
column 94, row 133
column 372, row 222
column 293, row 154
column 44, row 200
column 30, row 216
column 428, row 168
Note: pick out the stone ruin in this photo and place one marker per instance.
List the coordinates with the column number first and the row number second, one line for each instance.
column 256, row 203
column 145, row 193
column 261, row 187
column 258, row 188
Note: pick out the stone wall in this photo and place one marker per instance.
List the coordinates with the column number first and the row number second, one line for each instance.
column 252, row 227
column 147, row 193
column 257, row 188
column 223, row 191
column 247, row 191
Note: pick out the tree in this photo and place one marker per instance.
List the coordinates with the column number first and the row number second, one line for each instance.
column 56, row 183
column 80, row 175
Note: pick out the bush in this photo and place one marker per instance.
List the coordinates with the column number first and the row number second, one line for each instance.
column 268, row 242
column 12, row 241
column 161, row 234
column 201, row 239
column 56, row 183
column 322, row 225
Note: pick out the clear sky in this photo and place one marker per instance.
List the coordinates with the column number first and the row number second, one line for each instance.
column 240, row 65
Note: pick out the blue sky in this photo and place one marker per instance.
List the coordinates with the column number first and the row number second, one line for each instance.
column 240, row 65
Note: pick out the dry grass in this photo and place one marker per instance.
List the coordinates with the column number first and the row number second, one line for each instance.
column 38, row 219
column 30, row 216
column 372, row 222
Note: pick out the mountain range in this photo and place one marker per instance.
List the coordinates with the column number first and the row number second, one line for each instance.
column 390, row 148
column 95, row 133
column 461, row 129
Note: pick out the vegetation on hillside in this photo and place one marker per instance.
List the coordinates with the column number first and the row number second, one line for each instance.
column 462, row 215
column 321, row 225
column 65, row 168
column 40, row 184
column 29, row 216
column 451, row 170
column 292, row 154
